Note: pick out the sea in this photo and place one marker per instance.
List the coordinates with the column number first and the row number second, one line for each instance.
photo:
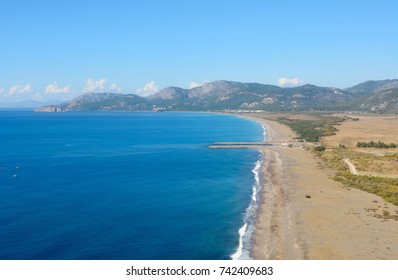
column 126, row 185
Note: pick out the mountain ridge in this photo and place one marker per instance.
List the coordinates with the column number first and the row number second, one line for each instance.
column 373, row 86
column 231, row 95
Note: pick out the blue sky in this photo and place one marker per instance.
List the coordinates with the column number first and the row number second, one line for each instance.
column 59, row 49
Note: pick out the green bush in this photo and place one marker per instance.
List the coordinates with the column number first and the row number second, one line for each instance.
column 377, row 145
column 313, row 130
column 387, row 188
column 319, row 148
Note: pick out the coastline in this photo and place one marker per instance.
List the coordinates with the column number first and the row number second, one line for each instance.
column 332, row 222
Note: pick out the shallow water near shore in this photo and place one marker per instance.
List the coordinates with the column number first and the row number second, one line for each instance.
column 123, row 185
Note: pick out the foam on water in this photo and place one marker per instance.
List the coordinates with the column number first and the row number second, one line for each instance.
column 264, row 132
column 249, row 219
column 239, row 251
column 247, row 230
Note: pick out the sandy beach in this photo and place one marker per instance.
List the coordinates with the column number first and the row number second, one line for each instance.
column 304, row 214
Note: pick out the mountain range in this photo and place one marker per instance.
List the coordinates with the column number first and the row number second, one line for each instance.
column 372, row 96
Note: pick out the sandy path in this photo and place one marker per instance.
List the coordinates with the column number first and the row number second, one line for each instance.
column 352, row 168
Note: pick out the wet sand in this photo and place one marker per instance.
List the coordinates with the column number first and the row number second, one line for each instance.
column 304, row 214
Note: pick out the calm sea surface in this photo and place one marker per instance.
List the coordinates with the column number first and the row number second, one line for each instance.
column 123, row 185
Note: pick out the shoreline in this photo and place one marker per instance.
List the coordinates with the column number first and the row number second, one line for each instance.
column 304, row 214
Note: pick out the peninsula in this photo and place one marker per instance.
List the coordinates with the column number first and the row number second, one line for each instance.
column 306, row 213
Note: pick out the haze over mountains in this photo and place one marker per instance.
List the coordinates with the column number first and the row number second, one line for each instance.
column 372, row 96
column 27, row 103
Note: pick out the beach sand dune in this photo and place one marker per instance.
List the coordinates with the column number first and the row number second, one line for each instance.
column 304, row 214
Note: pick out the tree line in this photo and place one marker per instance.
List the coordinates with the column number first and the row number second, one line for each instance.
column 377, row 145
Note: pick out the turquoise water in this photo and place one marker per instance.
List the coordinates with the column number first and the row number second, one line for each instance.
column 123, row 185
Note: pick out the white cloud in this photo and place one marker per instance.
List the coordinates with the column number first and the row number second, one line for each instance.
column 92, row 86
column 101, row 86
column 54, row 88
column 20, row 89
column 149, row 89
column 196, row 84
column 289, row 82
column 1, row 90
column 114, row 88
